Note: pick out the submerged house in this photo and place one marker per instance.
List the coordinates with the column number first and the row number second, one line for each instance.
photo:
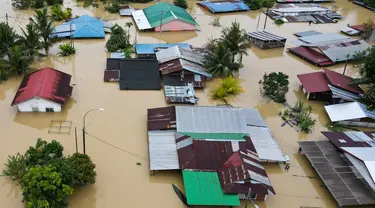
column 180, row 94
column 164, row 17
column 328, row 85
column 126, row 10
column 303, row 13
column 82, row 27
column 348, row 160
column 328, row 49
column 182, row 66
column 352, row 114
column 224, row 6
column 358, row 30
column 45, row 90
column 266, row 40
column 148, row 50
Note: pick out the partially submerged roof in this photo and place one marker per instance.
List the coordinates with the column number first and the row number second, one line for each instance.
column 348, row 111
column 360, row 28
column 177, row 65
column 307, row 33
column 88, row 27
column 265, row 36
column 162, row 150
column 111, row 75
column 175, row 52
column 178, row 80
column 342, row 81
column 203, row 188
column 350, row 139
column 151, row 48
column 312, row 56
column 46, row 83
column 350, row 31
column 344, row 50
column 339, row 177
column 161, row 118
column 224, row 6
column 323, row 38
column 180, row 94
column 314, row 82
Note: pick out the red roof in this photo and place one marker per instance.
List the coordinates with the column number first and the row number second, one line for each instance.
column 47, row 83
column 342, row 81
column 360, row 27
column 314, row 82
column 312, row 56
column 161, row 118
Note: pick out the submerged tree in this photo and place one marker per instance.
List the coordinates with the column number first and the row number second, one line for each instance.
column 45, row 28
column 66, row 49
column 8, row 38
column 31, row 38
column 300, row 115
column 119, row 39
column 59, row 14
column 368, row 28
column 19, row 60
column 258, row 4
column 181, row 3
column 235, row 40
column 275, row 86
column 228, row 86
column 84, row 169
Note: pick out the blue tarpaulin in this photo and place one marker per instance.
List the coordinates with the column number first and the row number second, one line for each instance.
column 142, row 48
column 224, row 6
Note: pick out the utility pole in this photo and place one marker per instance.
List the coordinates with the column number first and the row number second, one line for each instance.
column 71, row 36
column 161, row 21
column 260, row 13
column 265, row 21
column 6, row 17
column 346, row 63
column 75, row 129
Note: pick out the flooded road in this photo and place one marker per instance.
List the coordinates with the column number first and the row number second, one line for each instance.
column 117, row 137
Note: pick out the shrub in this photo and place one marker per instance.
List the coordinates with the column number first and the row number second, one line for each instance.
column 275, row 86
column 83, row 167
column 113, row 7
column 181, row 3
column 43, row 152
column 66, row 49
column 216, row 22
column 279, row 21
column 228, row 86
column 15, row 167
column 38, row 4
column 300, row 114
column 59, row 14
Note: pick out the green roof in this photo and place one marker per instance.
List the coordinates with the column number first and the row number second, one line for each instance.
column 216, row 136
column 170, row 13
column 203, row 188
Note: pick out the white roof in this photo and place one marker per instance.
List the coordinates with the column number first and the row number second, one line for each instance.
column 301, row 9
column 370, row 165
column 366, row 169
column 346, row 111
column 362, row 153
column 168, row 54
column 323, row 38
column 140, row 20
column 350, row 31
column 163, row 150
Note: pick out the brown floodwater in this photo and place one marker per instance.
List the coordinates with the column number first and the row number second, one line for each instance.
column 118, row 135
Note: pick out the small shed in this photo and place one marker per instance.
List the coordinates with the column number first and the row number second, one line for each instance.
column 315, row 86
column 45, row 90
column 148, row 50
column 266, row 40
column 224, row 6
column 180, row 94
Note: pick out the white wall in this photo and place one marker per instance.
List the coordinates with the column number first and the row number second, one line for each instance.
column 40, row 103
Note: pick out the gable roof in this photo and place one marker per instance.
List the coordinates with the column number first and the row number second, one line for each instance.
column 311, row 55
column 224, row 6
column 170, row 13
column 175, row 52
column 46, row 83
column 150, row 48
column 314, row 82
column 343, row 50
column 342, row 81
column 88, row 27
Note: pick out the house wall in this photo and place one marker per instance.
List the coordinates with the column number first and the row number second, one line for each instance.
column 40, row 103
column 319, row 96
column 175, row 25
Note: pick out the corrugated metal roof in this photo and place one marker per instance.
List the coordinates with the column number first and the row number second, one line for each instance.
column 88, row 27
column 343, row 94
column 224, row 6
column 347, row 139
column 118, row 55
column 126, row 11
column 311, row 56
column 348, row 111
column 149, row 48
column 360, row 28
column 314, row 82
column 307, row 33
column 265, row 36
column 344, row 50
column 323, row 38
column 180, row 94
column 253, row 117
column 163, row 150
column 203, row 188
column 216, row 136
column 342, row 81
column 176, row 80
column 175, row 52
column 140, row 20
column 161, row 118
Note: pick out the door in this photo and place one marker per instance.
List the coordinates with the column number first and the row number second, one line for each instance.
column 34, row 108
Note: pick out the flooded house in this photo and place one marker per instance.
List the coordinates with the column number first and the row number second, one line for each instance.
column 180, row 94
column 358, row 30
column 330, row 86
column 182, row 66
column 224, row 6
column 313, row 13
column 328, row 49
column 345, row 164
column 148, row 50
column 133, row 73
column 126, row 11
column 164, row 17
column 352, row 114
column 82, row 27
column 266, row 40
column 45, row 90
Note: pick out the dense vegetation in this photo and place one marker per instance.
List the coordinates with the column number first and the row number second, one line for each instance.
column 370, row 3
column 37, row 4
column 258, row 4
column 224, row 55
column 181, row 3
column 66, row 49
column 299, row 115
column 46, row 177
column 366, row 34
column 17, row 51
column 275, row 86
column 120, row 40
column 228, row 86
column 59, row 14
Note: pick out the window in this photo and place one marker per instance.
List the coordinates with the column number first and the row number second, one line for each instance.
column 49, row 110
column 342, row 141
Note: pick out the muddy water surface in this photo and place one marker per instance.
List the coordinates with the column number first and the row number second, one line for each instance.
column 118, row 138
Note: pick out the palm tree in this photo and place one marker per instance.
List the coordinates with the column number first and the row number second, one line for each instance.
column 19, row 60
column 8, row 38
column 44, row 26
column 236, row 40
column 31, row 38
column 219, row 61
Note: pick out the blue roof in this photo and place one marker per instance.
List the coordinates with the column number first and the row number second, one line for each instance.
column 145, row 48
column 88, row 27
column 229, row 6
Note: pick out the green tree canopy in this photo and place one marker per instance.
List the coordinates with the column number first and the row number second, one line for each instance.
column 44, row 152
column 258, row 4
column 45, row 27
column 235, row 40
column 31, row 38
column 181, row 3
column 8, row 38
column 275, row 86
column 84, row 169
column 119, row 39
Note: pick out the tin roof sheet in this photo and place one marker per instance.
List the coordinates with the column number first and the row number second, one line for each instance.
column 203, row 188
column 149, row 48
column 323, row 38
column 361, row 153
column 314, row 82
column 265, row 36
column 111, row 75
column 224, row 6
column 140, row 20
column 180, row 94
column 348, row 111
column 163, row 150
column 360, row 28
column 349, row 139
column 175, row 52
column 307, row 33
column 312, row 56
column 343, row 94
column 341, row 51
column 126, row 11
column 161, row 118
column 350, row 31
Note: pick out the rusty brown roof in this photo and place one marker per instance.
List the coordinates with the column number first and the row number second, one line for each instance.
column 341, row 139
column 111, row 75
column 161, row 118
